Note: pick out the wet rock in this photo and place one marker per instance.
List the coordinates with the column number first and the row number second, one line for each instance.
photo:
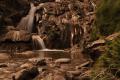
column 57, row 0
column 42, row 69
column 96, row 43
column 75, row 73
column 41, row 62
column 28, row 74
column 17, row 74
column 26, row 54
column 3, row 57
column 33, row 59
column 21, row 35
column 65, row 67
column 85, row 75
column 59, row 77
column 63, row 60
column 3, row 65
column 26, row 65
column 49, row 76
column 42, row 1
column 86, row 64
column 55, row 8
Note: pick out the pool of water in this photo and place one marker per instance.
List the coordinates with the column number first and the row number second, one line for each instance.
column 54, row 53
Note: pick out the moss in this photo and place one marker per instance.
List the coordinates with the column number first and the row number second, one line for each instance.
column 108, row 17
column 108, row 61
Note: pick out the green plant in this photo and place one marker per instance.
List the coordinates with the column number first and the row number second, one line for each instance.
column 108, row 65
column 108, row 17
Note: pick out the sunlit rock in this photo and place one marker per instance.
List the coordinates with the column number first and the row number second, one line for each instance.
column 63, row 60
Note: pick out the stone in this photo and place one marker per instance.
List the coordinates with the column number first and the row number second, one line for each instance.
column 41, row 62
column 63, row 60
column 57, row 0
column 59, row 77
column 26, row 65
column 26, row 54
column 86, row 64
column 75, row 73
column 28, row 74
column 42, row 69
column 3, row 57
column 3, row 65
column 85, row 75
column 65, row 66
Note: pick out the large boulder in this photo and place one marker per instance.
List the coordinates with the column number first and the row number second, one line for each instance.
column 27, row 74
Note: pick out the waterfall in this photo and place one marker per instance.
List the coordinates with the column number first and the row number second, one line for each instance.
column 38, row 42
column 72, row 35
column 13, row 35
column 26, row 22
column 16, row 35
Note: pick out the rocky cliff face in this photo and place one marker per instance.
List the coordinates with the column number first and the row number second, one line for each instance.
column 62, row 23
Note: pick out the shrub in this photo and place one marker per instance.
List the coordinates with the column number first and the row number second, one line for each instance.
column 108, row 17
column 108, row 65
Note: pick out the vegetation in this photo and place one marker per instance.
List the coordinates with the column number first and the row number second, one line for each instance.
column 108, row 17
column 109, row 63
column 107, row 22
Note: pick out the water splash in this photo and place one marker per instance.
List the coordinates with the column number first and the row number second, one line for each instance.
column 38, row 42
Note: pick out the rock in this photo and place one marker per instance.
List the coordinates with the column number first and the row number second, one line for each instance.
column 41, row 69
column 75, row 73
column 26, row 65
column 43, row 1
column 57, row 0
column 17, row 74
column 41, row 62
column 3, row 57
column 85, row 76
column 96, row 43
column 65, row 66
column 59, row 77
column 113, row 36
column 48, row 77
column 86, row 64
column 23, row 35
column 14, row 9
column 27, row 54
column 3, row 65
column 63, row 60
column 28, row 74
column 33, row 59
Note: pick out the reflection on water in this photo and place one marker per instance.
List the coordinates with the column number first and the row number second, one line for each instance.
column 53, row 53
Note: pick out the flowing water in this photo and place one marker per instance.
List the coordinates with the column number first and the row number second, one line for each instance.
column 13, row 35
column 38, row 42
column 26, row 22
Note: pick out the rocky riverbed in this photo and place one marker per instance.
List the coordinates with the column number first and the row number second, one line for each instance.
column 30, row 66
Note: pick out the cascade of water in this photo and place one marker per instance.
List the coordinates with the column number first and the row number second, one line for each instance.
column 26, row 22
column 38, row 41
column 16, row 35
column 72, row 35
column 13, row 35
